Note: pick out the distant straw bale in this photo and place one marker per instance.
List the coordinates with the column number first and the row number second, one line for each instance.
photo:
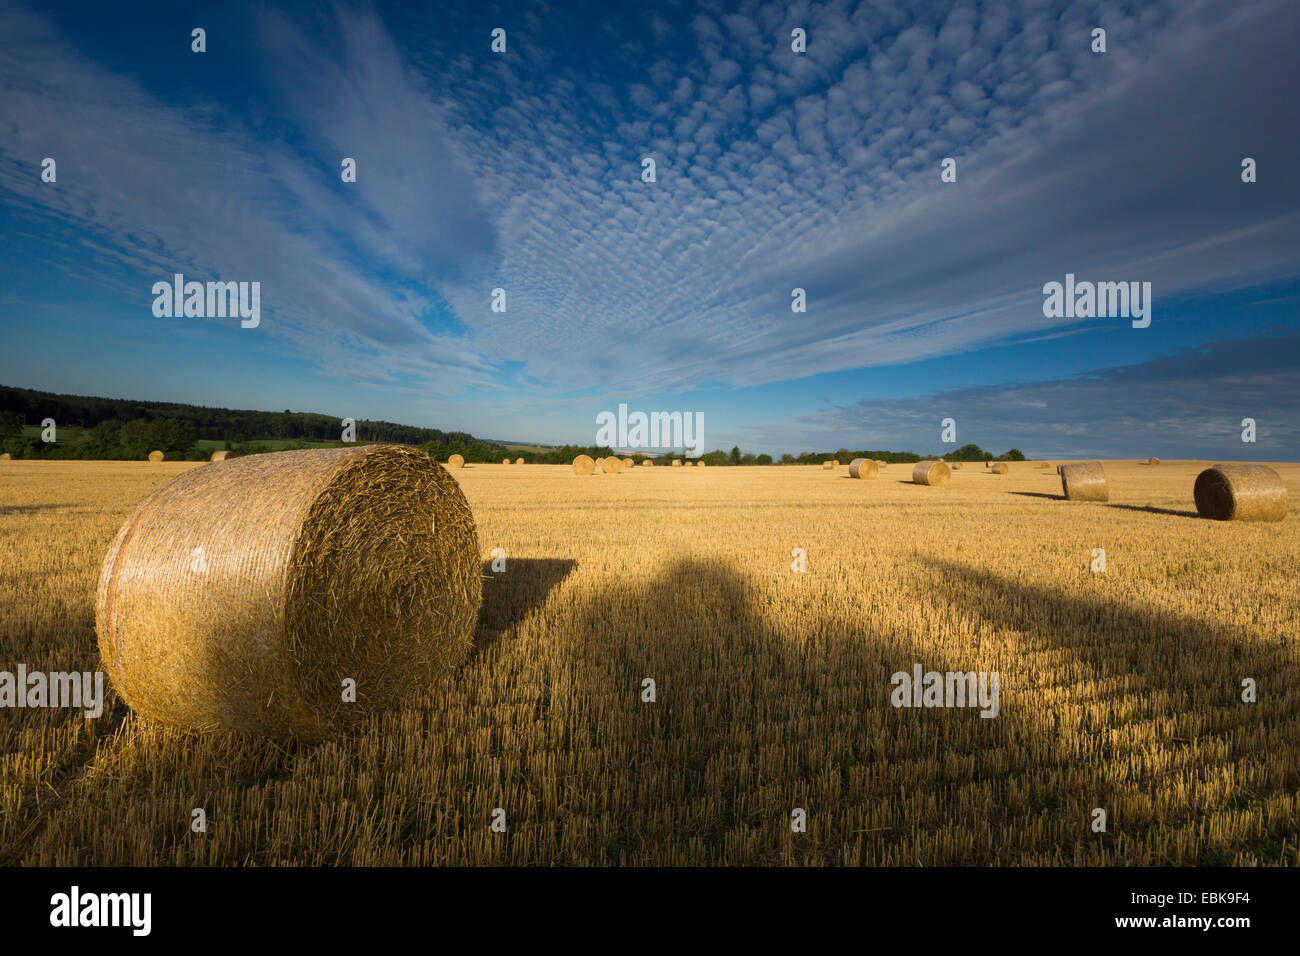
column 456, row 461
column 1084, row 481
column 1241, row 493
column 956, row 466
column 863, row 468
column 647, row 463
column 219, row 456
column 156, row 455
column 931, row 473
column 611, row 466
column 249, row 597
column 1153, row 461
column 999, row 468
column 677, row 463
column 519, row 461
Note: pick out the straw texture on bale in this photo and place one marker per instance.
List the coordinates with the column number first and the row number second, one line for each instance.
column 1000, row 468
column 880, row 463
column 930, row 473
column 519, row 461
column 647, row 463
column 1084, row 481
column 156, row 455
column 1153, row 461
column 242, row 597
column 677, row 463
column 219, row 456
column 599, row 462
column 1240, row 493
column 505, row 461
column 628, row 463
column 828, row 465
column 6, row 457
column 687, row 463
column 611, row 466
column 862, row 468
column 583, row 465
column 456, row 461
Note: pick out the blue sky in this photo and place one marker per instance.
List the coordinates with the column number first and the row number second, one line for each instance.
column 775, row 170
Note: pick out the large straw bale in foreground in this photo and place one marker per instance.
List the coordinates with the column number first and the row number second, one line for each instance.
column 219, row 456
column 931, row 473
column 999, row 468
column 1240, row 493
column 1084, row 481
column 863, row 468
column 156, row 455
column 456, row 461
column 583, row 465
column 243, row 597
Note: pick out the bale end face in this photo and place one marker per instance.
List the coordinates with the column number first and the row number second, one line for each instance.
column 156, row 455
column 863, row 468
column 1084, row 481
column 647, row 463
column 956, row 466
column 519, row 461
column 1241, row 493
column 584, row 465
column 456, row 461
column 677, row 463
column 1000, row 468
column 930, row 473
column 219, row 456
column 611, row 466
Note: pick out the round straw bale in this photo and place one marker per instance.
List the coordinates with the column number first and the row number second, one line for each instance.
column 647, row 463
column 519, row 461
column 999, row 468
column 955, row 466
column 583, row 465
column 701, row 463
column 930, row 473
column 1043, row 464
column 599, row 462
column 156, row 455
column 1153, row 461
column 612, row 466
column 219, row 456
column 687, row 463
column 247, row 597
column 1084, row 481
column 863, row 468
column 677, row 463
column 6, row 457
column 505, row 461
column 1240, row 493
column 628, row 463
column 828, row 465
column 456, row 461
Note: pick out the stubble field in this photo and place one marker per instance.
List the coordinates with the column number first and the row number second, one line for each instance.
column 1119, row 691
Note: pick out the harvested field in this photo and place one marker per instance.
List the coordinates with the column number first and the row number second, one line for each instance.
column 1118, row 690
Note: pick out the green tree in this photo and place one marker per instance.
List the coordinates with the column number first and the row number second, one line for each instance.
column 734, row 457
column 764, row 459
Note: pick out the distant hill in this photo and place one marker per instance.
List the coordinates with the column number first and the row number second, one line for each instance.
column 213, row 424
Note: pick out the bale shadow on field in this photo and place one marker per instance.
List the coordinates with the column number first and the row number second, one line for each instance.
column 515, row 593
column 1152, row 509
column 1037, row 494
column 753, row 717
